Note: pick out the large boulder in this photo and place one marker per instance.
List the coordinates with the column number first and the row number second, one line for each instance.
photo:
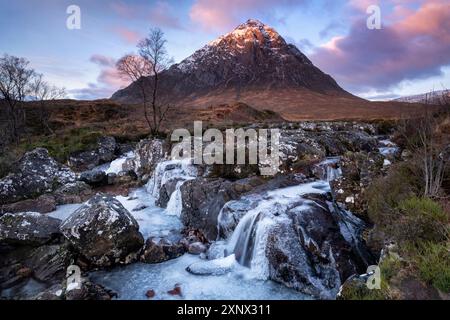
column 202, row 200
column 74, row 192
column 36, row 173
column 148, row 153
column 94, row 177
column 295, row 236
column 105, row 151
column 103, row 231
column 28, row 228
column 306, row 250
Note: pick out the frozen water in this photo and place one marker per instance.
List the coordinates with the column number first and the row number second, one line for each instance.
column 132, row 282
column 64, row 211
column 116, row 165
column 153, row 220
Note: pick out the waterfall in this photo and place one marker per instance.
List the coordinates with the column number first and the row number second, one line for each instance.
column 249, row 239
column 175, row 204
column 329, row 169
column 180, row 170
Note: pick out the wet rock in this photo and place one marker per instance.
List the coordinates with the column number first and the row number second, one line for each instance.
column 162, row 249
column 36, row 173
column 90, row 291
column 88, row 160
column 103, row 231
column 28, row 228
column 213, row 267
column 111, row 178
column 166, row 191
column 125, row 177
column 46, row 264
column 74, row 192
column 197, row 248
column 94, row 178
column 150, row 293
column 43, row 204
column 299, row 151
column 202, row 200
column 148, row 153
column 307, row 252
column 106, row 148
column 176, row 291
column 139, row 207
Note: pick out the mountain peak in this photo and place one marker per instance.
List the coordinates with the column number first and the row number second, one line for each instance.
column 251, row 23
column 251, row 31
column 251, row 58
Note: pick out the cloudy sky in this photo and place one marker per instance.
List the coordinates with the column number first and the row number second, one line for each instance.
column 409, row 55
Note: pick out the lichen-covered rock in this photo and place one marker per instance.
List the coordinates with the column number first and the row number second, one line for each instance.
column 28, row 228
column 43, row 204
column 94, row 177
column 148, row 153
column 358, row 171
column 74, row 192
column 103, row 231
column 36, row 173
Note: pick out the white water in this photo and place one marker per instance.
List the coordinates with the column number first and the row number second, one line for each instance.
column 116, row 165
column 388, row 147
column 179, row 170
column 241, row 270
column 249, row 240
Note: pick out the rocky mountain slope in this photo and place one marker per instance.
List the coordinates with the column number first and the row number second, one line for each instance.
column 251, row 62
column 434, row 97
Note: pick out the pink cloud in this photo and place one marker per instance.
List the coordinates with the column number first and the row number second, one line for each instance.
column 108, row 81
column 224, row 14
column 129, row 36
column 415, row 47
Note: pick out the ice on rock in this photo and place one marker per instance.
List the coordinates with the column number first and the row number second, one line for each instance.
column 213, row 267
column 180, row 170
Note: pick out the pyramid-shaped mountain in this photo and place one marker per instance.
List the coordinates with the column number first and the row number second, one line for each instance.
column 251, row 64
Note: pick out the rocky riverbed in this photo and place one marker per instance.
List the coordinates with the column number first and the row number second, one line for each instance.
column 139, row 225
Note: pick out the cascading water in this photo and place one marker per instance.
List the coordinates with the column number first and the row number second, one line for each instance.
column 254, row 220
column 329, row 169
column 178, row 170
column 249, row 239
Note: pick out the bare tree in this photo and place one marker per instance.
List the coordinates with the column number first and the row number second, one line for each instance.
column 136, row 69
column 153, row 50
column 15, row 77
column 42, row 92
column 430, row 147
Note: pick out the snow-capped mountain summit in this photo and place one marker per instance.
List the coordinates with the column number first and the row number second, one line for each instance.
column 251, row 59
column 246, row 40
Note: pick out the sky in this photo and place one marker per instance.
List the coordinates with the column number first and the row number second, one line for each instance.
column 410, row 54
